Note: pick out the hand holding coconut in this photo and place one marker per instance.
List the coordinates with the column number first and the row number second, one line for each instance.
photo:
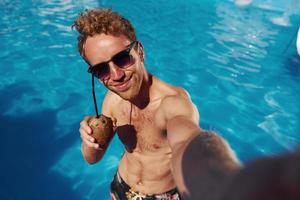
column 97, row 132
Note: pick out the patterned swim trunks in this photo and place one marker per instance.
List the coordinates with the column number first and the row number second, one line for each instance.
column 119, row 190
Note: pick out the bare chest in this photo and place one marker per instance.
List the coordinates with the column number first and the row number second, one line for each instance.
column 139, row 130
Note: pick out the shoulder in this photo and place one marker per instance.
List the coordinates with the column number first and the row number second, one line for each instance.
column 168, row 90
column 179, row 94
column 110, row 102
column 176, row 101
column 179, row 105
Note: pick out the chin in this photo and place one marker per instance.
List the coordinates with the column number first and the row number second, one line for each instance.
column 133, row 91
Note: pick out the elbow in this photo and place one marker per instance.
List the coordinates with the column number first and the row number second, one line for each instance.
column 90, row 161
column 90, row 156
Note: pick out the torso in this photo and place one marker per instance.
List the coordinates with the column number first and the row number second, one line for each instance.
column 146, row 163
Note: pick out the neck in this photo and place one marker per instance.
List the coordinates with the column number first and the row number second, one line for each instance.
column 143, row 97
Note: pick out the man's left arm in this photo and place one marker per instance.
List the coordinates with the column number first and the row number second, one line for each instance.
column 192, row 148
column 182, row 125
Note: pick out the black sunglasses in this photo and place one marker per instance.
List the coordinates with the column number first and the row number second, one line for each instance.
column 122, row 60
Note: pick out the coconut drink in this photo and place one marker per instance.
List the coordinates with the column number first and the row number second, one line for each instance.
column 102, row 127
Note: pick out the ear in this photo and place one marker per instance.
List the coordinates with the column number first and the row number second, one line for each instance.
column 141, row 51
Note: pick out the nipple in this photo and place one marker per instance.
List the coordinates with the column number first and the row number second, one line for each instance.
column 139, row 183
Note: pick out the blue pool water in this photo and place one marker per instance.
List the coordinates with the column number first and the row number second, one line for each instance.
column 238, row 63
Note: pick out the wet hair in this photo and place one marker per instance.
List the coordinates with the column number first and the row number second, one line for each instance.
column 101, row 20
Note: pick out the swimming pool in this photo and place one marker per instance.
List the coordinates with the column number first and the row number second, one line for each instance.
column 238, row 63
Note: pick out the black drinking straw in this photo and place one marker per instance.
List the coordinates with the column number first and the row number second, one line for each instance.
column 94, row 96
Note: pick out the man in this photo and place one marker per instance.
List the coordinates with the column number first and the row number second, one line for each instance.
column 154, row 120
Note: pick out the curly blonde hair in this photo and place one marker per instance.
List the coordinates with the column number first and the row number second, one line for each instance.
column 101, row 20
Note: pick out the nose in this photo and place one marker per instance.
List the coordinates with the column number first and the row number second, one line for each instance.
column 115, row 72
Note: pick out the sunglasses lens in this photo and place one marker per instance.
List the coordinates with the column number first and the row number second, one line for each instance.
column 123, row 59
column 101, row 71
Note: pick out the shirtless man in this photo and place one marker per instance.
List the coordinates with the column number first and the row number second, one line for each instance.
column 154, row 120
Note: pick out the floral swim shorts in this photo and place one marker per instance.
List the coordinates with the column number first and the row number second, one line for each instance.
column 119, row 190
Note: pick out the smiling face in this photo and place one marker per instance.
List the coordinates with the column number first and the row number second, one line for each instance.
column 125, row 82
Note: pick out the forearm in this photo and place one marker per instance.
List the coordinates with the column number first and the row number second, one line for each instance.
column 201, row 164
column 177, row 155
column 90, row 154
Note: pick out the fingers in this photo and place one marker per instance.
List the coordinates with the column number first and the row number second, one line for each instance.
column 84, row 124
column 85, row 133
column 90, row 141
column 87, row 138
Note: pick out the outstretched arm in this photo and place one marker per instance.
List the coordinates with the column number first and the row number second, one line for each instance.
column 200, row 160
